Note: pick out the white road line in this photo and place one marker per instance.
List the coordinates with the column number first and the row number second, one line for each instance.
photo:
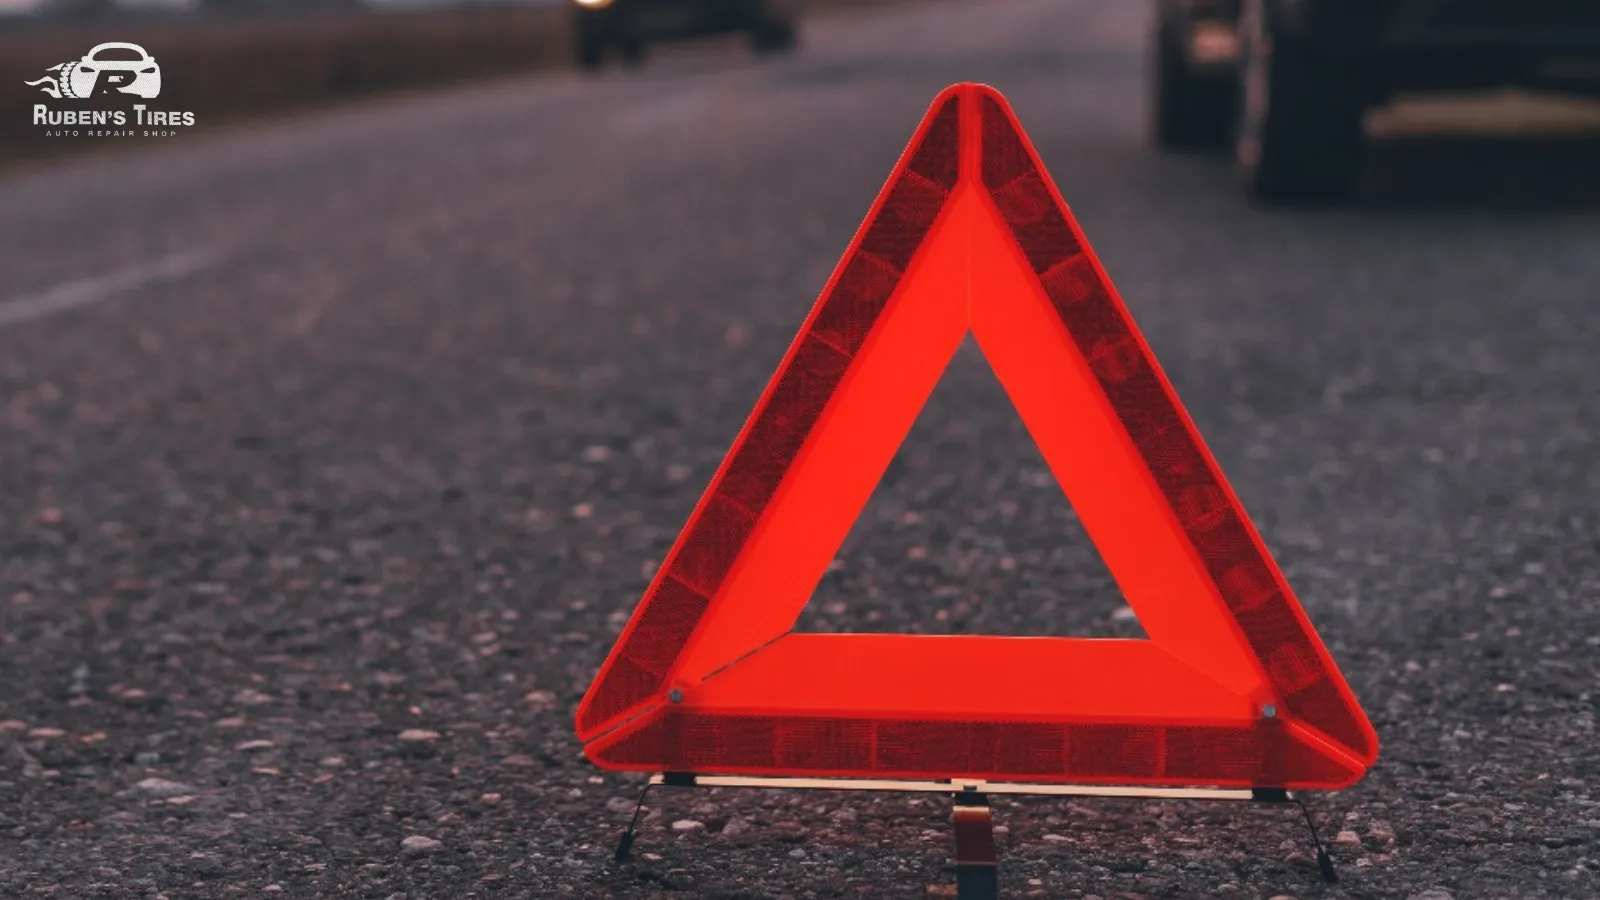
column 100, row 288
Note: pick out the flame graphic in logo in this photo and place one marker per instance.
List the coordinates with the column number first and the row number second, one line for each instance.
column 52, row 84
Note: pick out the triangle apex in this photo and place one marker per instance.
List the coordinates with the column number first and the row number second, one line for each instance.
column 984, row 89
column 971, row 90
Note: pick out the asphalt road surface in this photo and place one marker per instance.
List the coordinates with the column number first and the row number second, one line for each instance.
column 337, row 450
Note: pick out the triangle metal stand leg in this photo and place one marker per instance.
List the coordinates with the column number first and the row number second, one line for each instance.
column 1324, row 861
column 977, row 867
column 971, row 818
column 1279, row 795
column 625, row 845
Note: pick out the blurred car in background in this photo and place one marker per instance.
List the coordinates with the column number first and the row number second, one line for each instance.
column 1286, row 83
column 629, row 25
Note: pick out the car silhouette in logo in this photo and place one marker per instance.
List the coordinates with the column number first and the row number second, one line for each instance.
column 112, row 67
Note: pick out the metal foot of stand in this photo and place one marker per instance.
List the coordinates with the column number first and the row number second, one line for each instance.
column 977, row 868
column 1324, row 860
column 669, row 779
column 625, row 845
column 971, row 819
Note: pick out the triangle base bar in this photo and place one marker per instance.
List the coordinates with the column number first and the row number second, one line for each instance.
column 917, row 786
column 714, row 740
column 972, row 822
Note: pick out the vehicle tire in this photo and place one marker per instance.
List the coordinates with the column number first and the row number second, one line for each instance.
column 1299, row 132
column 633, row 51
column 774, row 35
column 1190, row 112
column 589, row 47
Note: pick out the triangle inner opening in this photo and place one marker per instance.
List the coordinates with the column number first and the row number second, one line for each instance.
column 969, row 533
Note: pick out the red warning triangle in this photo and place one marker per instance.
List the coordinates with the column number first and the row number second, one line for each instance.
column 1233, row 686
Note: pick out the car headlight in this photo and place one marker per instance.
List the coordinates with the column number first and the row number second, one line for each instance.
column 592, row 4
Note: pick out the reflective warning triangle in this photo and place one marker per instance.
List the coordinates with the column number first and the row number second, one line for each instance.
column 969, row 236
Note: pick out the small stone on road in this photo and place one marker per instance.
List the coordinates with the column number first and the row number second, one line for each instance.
column 417, row 845
column 161, row 787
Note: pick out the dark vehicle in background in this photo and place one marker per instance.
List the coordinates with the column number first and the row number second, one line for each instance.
column 1286, row 83
column 629, row 25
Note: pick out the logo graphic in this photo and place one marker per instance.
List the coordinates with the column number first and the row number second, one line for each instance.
column 110, row 68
